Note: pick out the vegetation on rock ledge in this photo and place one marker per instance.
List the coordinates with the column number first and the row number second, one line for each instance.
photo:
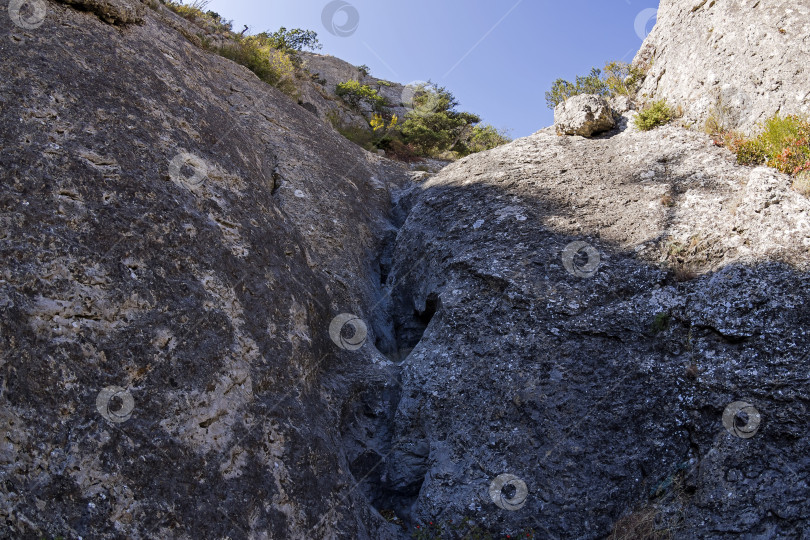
column 432, row 128
column 783, row 143
column 656, row 114
column 617, row 79
column 272, row 56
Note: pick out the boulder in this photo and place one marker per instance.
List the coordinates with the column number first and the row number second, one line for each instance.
column 584, row 115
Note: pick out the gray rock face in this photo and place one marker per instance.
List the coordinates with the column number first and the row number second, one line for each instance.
column 220, row 319
column 591, row 308
column 112, row 11
column 739, row 61
column 176, row 238
column 584, row 115
column 621, row 104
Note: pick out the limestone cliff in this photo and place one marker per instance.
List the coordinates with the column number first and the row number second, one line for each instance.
column 739, row 61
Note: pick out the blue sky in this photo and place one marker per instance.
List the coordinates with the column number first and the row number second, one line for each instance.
column 497, row 56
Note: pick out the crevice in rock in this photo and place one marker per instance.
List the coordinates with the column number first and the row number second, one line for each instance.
column 388, row 340
column 368, row 417
column 413, row 321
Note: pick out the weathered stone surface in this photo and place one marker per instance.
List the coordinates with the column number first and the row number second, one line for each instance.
column 739, row 61
column 600, row 380
column 172, row 226
column 555, row 335
column 621, row 104
column 584, row 115
column 112, row 11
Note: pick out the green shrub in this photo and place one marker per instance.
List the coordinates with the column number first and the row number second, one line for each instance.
column 271, row 65
column 618, row 78
column 661, row 322
column 485, row 137
column 364, row 69
column 622, row 79
column 589, row 84
column 272, row 56
column 655, row 114
column 354, row 93
column 195, row 12
column 783, row 143
column 786, row 141
column 434, row 126
column 294, row 40
column 749, row 152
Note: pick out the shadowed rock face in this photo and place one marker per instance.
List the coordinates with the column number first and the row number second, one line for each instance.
column 218, row 318
column 738, row 61
column 568, row 353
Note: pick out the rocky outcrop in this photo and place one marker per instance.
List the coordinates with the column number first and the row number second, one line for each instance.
column 328, row 71
column 594, row 311
column 738, row 61
column 584, row 115
column 113, row 11
column 177, row 238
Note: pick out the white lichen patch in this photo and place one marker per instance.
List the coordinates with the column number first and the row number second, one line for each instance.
column 205, row 419
column 82, row 309
column 231, row 236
